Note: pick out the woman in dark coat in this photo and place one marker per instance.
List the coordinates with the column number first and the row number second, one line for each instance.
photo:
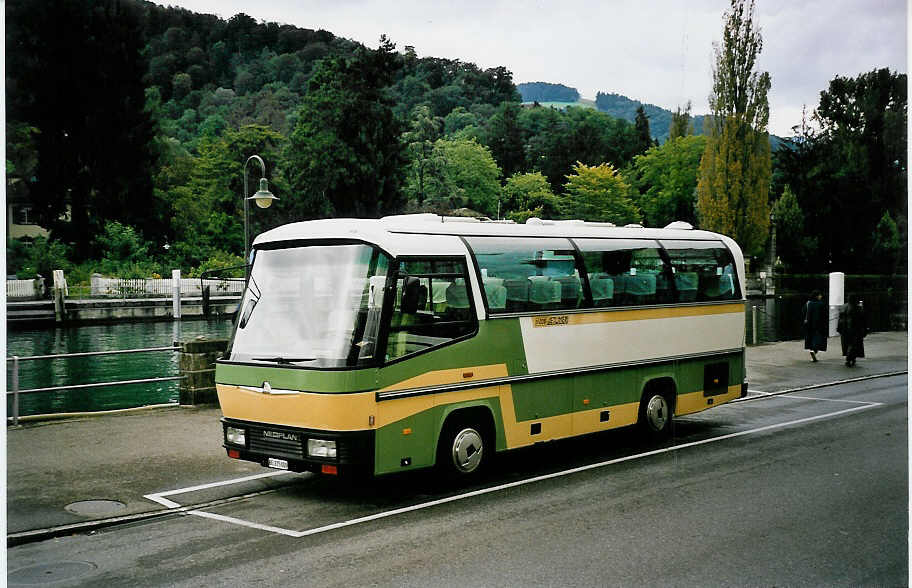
column 816, row 326
column 852, row 329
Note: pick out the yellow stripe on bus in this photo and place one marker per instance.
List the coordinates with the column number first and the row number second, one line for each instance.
column 590, row 318
column 451, row 376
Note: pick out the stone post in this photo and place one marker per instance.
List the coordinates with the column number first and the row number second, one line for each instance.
column 176, row 293
column 197, row 366
column 837, row 299
column 60, row 292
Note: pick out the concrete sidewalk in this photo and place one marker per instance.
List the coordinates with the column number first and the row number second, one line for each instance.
column 70, row 475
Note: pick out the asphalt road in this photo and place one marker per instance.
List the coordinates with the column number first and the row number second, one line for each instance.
column 802, row 489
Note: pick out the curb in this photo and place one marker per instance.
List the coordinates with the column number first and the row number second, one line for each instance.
column 823, row 385
column 35, row 535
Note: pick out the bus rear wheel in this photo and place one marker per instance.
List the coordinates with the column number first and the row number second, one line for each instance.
column 656, row 414
column 462, row 451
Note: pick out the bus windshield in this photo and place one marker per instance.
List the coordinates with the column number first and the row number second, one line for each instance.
column 312, row 306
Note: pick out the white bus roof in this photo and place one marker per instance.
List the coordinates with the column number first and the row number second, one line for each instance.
column 409, row 234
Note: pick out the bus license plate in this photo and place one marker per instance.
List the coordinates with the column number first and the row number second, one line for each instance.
column 279, row 464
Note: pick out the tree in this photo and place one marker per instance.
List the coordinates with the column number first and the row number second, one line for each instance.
column 681, row 125
column 504, row 138
column 208, row 211
column 464, row 175
column 423, row 131
column 792, row 244
column 733, row 189
column 557, row 140
column 74, row 73
column 888, row 245
column 346, row 145
column 641, row 126
column 851, row 171
column 527, row 195
column 598, row 193
column 861, row 152
column 665, row 178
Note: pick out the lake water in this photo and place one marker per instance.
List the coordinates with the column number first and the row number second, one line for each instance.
column 104, row 368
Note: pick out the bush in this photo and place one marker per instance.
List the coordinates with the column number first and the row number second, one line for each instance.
column 220, row 260
column 42, row 257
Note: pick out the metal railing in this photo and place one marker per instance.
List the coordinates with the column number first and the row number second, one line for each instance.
column 15, row 392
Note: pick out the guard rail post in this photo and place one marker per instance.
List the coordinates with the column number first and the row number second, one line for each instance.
column 196, row 364
column 754, row 324
column 15, row 390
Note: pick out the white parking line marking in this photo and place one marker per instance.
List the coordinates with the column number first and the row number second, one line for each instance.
column 243, row 523
column 158, row 497
column 785, row 395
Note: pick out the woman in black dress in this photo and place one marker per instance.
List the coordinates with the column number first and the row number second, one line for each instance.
column 815, row 325
column 852, row 330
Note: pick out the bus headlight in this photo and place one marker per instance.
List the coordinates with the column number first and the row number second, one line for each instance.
column 321, row 448
column 236, row 436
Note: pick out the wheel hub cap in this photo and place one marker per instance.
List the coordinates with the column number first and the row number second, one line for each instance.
column 657, row 412
column 467, row 450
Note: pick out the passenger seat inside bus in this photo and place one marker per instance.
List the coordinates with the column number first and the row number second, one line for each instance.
column 686, row 283
column 457, row 301
column 544, row 293
column 571, row 290
column 602, row 290
column 517, row 294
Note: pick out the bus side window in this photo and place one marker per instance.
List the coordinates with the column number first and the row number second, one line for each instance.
column 527, row 276
column 433, row 306
column 625, row 272
column 704, row 271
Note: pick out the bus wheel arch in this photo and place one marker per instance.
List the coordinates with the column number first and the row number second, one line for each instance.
column 466, row 442
column 657, row 407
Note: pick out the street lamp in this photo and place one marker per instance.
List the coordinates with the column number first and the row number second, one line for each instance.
column 772, row 243
column 263, row 199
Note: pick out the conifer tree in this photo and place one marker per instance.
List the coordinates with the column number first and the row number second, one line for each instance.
column 735, row 171
column 643, row 136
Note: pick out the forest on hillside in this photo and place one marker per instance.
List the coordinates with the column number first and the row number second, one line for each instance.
column 128, row 126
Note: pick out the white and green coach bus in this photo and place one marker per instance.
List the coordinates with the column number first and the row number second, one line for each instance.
column 418, row 340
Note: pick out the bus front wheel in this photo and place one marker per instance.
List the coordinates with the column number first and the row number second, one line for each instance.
column 462, row 451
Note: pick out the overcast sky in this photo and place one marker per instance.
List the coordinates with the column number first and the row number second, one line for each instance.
column 655, row 51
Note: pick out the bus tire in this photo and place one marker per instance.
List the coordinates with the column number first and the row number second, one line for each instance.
column 656, row 413
column 463, row 449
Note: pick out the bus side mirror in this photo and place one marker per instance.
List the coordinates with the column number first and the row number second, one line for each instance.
column 411, row 289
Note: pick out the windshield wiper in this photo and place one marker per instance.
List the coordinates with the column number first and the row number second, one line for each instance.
column 251, row 302
column 281, row 360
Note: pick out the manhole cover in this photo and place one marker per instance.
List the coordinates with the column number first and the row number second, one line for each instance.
column 48, row 573
column 95, row 508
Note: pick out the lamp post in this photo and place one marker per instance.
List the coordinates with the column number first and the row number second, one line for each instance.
column 772, row 243
column 263, row 199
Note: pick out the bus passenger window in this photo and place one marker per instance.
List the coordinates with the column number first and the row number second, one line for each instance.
column 432, row 306
column 625, row 272
column 704, row 271
column 523, row 275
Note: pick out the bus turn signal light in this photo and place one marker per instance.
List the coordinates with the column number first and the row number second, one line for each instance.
column 329, row 469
